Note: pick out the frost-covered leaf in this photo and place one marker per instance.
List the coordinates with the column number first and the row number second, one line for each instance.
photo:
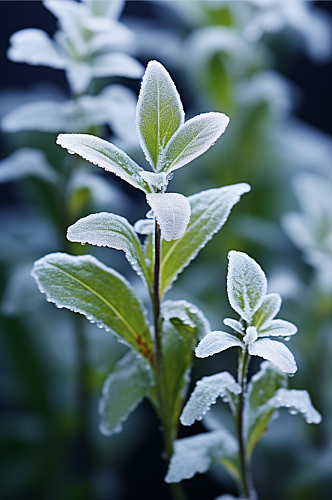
column 116, row 64
column 250, row 336
column 85, row 285
column 206, row 393
column 275, row 352
column 123, row 390
column 159, row 111
column 235, row 325
column 296, row 402
column 215, row 342
column 267, row 311
column 105, row 155
column 261, row 388
column 172, row 211
column 144, row 226
column 209, row 212
column 192, row 139
column 188, row 313
column 199, row 453
column 25, row 162
column 34, row 46
column 158, row 181
column 113, row 231
column 246, row 284
column 277, row 328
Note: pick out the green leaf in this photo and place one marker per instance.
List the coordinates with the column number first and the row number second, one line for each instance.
column 267, row 311
column 159, row 111
column 262, row 387
column 209, row 212
column 85, row 285
column 105, row 155
column 123, row 390
column 112, row 231
column 192, row 139
column 198, row 454
column 188, row 313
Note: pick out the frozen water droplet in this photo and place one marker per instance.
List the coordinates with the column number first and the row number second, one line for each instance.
column 71, row 152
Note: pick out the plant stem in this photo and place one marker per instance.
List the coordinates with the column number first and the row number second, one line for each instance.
column 246, row 482
column 169, row 431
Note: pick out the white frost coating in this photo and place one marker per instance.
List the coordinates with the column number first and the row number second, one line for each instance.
column 199, row 453
column 188, row 313
column 25, row 162
column 122, row 391
column 275, row 352
column 251, row 335
column 34, row 46
column 158, row 181
column 215, row 342
column 235, row 325
column 206, row 393
column 144, row 226
column 109, row 230
column 268, row 310
column 278, row 328
column 105, row 155
column 159, row 111
column 172, row 211
column 296, row 402
column 246, row 284
column 192, row 139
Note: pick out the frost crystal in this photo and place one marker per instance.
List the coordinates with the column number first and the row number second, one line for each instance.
column 172, row 211
column 215, row 342
column 296, row 402
column 275, row 352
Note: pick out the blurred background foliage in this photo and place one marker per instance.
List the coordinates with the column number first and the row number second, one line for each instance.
column 267, row 64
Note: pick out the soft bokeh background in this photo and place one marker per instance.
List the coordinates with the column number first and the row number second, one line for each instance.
column 267, row 64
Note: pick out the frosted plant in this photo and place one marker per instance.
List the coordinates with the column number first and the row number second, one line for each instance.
column 253, row 405
column 176, row 228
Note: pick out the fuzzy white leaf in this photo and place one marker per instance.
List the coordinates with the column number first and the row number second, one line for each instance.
column 296, row 402
column 275, row 352
column 215, row 342
column 116, row 64
column 123, row 390
column 267, row 311
column 192, row 139
column 172, row 211
column 158, row 181
column 34, row 46
column 206, row 393
column 144, row 226
column 235, row 325
column 246, row 284
column 197, row 454
column 250, row 336
column 105, row 155
column 159, row 111
column 277, row 328
column 25, row 162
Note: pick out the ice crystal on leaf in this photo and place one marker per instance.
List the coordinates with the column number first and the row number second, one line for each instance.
column 172, row 211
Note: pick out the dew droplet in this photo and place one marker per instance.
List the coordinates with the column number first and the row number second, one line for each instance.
column 71, row 152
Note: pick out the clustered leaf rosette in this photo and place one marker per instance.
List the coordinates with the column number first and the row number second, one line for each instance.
column 246, row 289
column 168, row 143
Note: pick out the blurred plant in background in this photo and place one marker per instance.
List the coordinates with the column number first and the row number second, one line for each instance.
column 226, row 56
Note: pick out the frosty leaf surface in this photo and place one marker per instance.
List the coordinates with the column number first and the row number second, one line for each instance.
column 296, row 402
column 278, row 328
column 188, row 313
column 235, row 325
column 206, row 393
column 116, row 64
column 275, row 352
column 250, row 336
column 267, row 311
column 261, row 388
column 144, row 226
column 34, row 46
column 246, row 284
column 113, row 231
column 25, row 162
column 159, row 111
column 199, row 453
column 209, row 212
column 215, row 342
column 105, row 155
column 123, row 390
column 172, row 211
column 85, row 285
column 192, row 139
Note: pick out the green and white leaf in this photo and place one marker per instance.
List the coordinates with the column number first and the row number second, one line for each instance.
column 172, row 211
column 188, row 313
column 85, row 285
column 296, row 402
column 192, row 139
column 268, row 310
column 26, row 162
column 209, row 212
column 198, row 454
column 277, row 328
column 261, row 388
column 206, row 393
column 113, row 231
column 159, row 111
column 215, row 342
column 105, row 155
column 275, row 352
column 235, row 325
column 122, row 391
column 246, row 284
